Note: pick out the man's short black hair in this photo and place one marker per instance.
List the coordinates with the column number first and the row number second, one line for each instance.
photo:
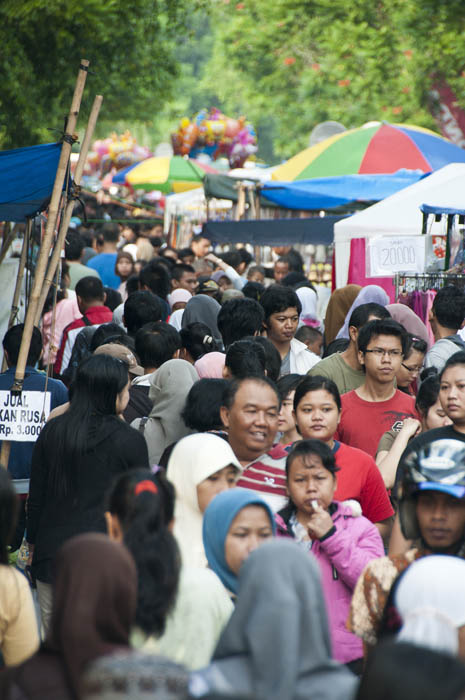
column 90, row 289
column 12, row 343
column 203, row 403
column 234, row 386
column 308, row 333
column 449, row 307
column 156, row 277
column 141, row 308
column 113, row 298
column 278, row 298
column 132, row 284
column 245, row 358
column 272, row 356
column 199, row 237
column 239, row 318
column 232, row 258
column 180, row 269
column 186, row 253
column 372, row 329
column 156, row 343
column 74, row 245
column 107, row 333
column 362, row 313
column 110, row 233
column 253, row 290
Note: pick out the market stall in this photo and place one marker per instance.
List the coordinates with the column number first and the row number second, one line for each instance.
column 375, row 244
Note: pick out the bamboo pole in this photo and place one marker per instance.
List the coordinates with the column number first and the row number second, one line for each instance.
column 46, row 242
column 50, row 228
column 54, row 260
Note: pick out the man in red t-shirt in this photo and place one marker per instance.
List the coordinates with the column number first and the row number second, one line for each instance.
column 376, row 406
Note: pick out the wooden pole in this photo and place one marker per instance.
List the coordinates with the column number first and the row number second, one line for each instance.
column 54, row 260
column 47, row 241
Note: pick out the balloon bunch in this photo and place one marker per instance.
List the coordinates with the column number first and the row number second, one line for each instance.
column 115, row 152
column 215, row 134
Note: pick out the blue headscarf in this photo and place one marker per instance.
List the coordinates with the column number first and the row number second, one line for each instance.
column 217, row 520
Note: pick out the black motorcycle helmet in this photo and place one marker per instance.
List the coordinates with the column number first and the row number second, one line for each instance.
column 435, row 466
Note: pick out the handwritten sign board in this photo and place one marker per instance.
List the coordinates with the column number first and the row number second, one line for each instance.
column 22, row 416
column 387, row 255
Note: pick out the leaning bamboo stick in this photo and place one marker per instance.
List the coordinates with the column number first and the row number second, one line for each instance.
column 54, row 260
column 46, row 242
column 50, row 228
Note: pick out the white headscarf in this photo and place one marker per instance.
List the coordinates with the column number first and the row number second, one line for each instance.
column 194, row 459
column 309, row 301
column 176, row 319
column 430, row 600
column 178, row 295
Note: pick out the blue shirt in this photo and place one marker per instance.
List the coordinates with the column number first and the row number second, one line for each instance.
column 105, row 263
column 19, row 464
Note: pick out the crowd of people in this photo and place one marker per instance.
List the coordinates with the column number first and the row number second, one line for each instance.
column 246, row 487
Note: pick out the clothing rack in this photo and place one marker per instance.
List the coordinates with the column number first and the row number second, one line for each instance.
column 426, row 281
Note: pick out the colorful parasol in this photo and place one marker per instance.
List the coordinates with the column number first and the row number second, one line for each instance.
column 164, row 173
column 375, row 148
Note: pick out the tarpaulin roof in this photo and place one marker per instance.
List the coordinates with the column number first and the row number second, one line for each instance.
column 27, row 176
column 226, row 187
column 316, row 229
column 330, row 192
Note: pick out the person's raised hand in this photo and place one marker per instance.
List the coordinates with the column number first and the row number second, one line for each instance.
column 319, row 523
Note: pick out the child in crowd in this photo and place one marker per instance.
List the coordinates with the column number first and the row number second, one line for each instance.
column 342, row 543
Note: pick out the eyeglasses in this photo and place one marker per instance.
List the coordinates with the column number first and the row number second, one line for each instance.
column 413, row 370
column 381, row 352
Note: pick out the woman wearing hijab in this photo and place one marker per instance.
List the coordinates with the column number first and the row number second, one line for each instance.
column 203, row 309
column 309, row 300
column 340, row 302
column 372, row 294
column 178, row 299
column 276, row 644
column 200, row 467
column 428, row 605
column 169, row 387
column 235, row 523
column 94, row 603
column 409, row 320
column 211, row 365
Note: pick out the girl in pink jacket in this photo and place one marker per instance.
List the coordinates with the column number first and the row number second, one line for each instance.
column 342, row 543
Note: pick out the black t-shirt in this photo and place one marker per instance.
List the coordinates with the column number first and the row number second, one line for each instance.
column 446, row 433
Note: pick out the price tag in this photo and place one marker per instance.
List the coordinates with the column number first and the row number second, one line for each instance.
column 387, row 255
column 21, row 415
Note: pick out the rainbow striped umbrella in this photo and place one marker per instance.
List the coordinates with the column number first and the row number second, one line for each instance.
column 375, row 148
column 164, row 173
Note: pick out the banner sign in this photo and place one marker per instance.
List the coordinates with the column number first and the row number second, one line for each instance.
column 388, row 256
column 22, row 416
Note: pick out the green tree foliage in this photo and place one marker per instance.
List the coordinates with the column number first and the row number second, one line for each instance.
column 289, row 64
column 131, row 46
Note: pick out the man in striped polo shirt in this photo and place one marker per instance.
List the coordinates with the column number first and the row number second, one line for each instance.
column 250, row 415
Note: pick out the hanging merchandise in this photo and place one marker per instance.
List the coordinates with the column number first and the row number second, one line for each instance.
column 215, row 134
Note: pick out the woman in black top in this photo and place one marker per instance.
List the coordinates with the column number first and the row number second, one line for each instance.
column 75, row 460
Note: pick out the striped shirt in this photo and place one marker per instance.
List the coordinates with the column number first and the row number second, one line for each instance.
column 267, row 476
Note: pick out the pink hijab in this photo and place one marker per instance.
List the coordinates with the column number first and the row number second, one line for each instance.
column 210, row 366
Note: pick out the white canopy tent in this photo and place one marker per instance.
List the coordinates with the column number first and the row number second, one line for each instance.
column 399, row 214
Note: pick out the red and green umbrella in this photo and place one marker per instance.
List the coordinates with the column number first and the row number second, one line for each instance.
column 165, row 173
column 376, row 148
